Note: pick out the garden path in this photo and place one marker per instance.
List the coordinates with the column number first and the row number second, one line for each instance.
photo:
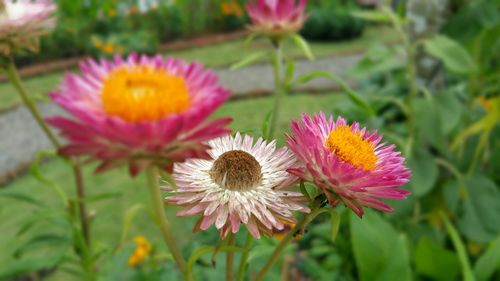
column 20, row 138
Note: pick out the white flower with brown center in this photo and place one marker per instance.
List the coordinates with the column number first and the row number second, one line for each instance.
column 22, row 22
column 243, row 183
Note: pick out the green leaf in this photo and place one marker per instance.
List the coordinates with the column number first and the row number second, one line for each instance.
column 290, row 71
column 430, row 258
column 197, row 254
column 427, row 122
column 302, row 44
column 375, row 16
column 380, row 251
column 13, row 194
column 450, row 111
column 377, row 59
column 52, row 240
column 455, row 58
column 424, row 172
column 37, row 173
column 353, row 96
column 103, row 196
column 460, row 249
column 128, row 218
column 28, row 265
column 265, row 124
column 489, row 262
column 481, row 207
column 248, row 60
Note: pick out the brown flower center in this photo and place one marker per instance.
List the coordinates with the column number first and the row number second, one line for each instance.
column 236, row 170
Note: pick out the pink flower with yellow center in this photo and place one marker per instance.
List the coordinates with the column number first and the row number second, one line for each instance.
column 242, row 183
column 22, row 22
column 276, row 17
column 347, row 162
column 139, row 111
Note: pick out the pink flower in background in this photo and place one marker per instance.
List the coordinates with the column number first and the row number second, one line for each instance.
column 348, row 163
column 243, row 183
column 139, row 111
column 276, row 17
column 22, row 22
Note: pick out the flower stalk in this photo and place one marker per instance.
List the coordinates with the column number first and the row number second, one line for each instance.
column 230, row 258
column 244, row 257
column 162, row 220
column 306, row 219
column 279, row 87
column 15, row 79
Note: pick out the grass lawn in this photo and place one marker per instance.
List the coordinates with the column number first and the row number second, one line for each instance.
column 218, row 55
column 107, row 227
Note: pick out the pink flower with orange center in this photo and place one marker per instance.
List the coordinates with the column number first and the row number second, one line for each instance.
column 347, row 162
column 22, row 22
column 139, row 111
column 276, row 18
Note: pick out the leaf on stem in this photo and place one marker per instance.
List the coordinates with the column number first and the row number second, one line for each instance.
column 248, row 60
column 303, row 45
column 455, row 58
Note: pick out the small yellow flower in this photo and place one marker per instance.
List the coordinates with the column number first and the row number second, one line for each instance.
column 484, row 102
column 108, row 48
column 141, row 252
column 231, row 8
column 98, row 43
column 133, row 10
column 112, row 13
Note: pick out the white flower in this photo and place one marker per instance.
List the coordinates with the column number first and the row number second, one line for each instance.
column 242, row 183
column 22, row 22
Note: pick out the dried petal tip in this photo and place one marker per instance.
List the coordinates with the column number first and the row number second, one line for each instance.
column 22, row 22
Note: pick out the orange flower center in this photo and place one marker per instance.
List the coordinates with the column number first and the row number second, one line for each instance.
column 349, row 146
column 144, row 93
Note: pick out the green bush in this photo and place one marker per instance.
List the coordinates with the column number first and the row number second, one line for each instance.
column 332, row 23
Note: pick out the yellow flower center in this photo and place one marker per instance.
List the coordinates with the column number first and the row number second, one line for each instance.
column 349, row 146
column 144, row 93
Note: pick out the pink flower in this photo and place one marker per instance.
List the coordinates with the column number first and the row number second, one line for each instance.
column 243, row 183
column 348, row 163
column 22, row 22
column 276, row 17
column 139, row 111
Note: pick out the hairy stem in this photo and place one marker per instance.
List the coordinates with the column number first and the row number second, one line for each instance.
column 315, row 210
column 162, row 221
column 230, row 258
column 15, row 79
column 278, row 87
column 244, row 257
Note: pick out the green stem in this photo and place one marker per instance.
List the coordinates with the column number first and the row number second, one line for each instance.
column 162, row 220
column 15, row 79
column 13, row 76
column 315, row 210
column 244, row 257
column 230, row 258
column 278, row 87
column 80, row 191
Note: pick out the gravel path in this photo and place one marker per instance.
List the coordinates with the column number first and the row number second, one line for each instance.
column 20, row 138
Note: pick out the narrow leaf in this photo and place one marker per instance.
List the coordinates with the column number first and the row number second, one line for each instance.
column 302, row 44
column 248, row 60
column 460, row 248
column 489, row 262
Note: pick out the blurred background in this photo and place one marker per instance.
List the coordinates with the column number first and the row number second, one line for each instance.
column 448, row 50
